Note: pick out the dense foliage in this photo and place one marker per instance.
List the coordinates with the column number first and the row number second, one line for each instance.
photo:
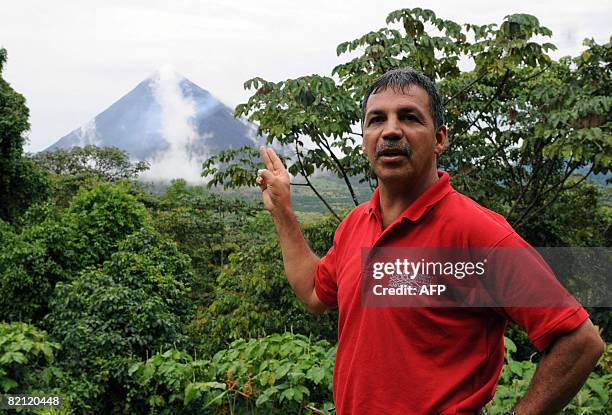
column 252, row 297
column 593, row 398
column 24, row 351
column 70, row 169
column 275, row 374
column 127, row 301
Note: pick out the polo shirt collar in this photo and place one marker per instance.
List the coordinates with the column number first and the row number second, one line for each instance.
column 422, row 204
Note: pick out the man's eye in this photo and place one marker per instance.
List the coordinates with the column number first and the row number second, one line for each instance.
column 375, row 120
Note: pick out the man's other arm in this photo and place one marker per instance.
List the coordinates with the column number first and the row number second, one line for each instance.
column 299, row 260
column 562, row 371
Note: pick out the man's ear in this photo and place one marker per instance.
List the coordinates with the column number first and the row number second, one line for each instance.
column 441, row 138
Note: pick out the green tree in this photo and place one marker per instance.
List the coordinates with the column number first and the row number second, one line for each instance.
column 79, row 166
column 252, row 296
column 58, row 245
column 100, row 217
column 108, row 318
column 21, row 182
column 27, row 277
column 103, row 163
column 524, row 129
column 207, row 227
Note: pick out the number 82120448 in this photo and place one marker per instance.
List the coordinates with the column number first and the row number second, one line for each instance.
column 8, row 401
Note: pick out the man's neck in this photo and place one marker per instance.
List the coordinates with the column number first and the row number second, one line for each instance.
column 397, row 196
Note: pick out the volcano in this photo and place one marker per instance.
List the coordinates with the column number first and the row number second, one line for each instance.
column 168, row 121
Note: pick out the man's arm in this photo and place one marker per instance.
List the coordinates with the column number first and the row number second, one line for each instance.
column 564, row 368
column 299, row 260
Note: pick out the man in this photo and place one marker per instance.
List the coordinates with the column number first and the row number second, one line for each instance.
column 420, row 360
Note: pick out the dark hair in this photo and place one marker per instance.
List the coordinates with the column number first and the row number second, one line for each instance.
column 401, row 78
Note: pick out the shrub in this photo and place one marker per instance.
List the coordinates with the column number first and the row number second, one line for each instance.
column 277, row 374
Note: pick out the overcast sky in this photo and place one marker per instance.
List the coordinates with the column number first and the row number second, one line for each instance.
column 73, row 58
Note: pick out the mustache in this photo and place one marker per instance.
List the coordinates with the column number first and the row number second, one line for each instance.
column 398, row 148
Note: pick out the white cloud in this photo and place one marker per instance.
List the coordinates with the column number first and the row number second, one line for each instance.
column 87, row 134
column 177, row 112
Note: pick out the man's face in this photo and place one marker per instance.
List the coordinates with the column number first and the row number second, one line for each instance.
column 399, row 135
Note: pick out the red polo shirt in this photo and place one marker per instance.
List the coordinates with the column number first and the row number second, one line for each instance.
column 402, row 360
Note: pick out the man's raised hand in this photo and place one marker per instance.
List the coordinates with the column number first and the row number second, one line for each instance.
column 274, row 183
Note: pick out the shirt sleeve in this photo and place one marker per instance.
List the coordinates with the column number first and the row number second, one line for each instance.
column 544, row 325
column 325, row 278
column 326, row 274
column 531, row 295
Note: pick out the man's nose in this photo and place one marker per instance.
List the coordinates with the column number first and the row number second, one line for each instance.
column 392, row 130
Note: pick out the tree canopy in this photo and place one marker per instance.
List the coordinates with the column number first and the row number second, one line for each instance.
column 524, row 130
column 102, row 163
